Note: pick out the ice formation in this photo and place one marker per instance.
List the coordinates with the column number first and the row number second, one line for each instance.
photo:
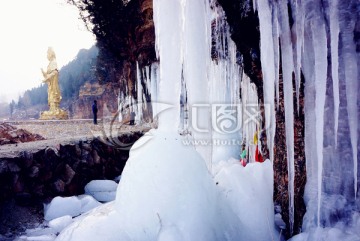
column 268, row 68
column 317, row 49
column 320, row 43
column 62, row 206
column 172, row 191
column 287, row 70
column 102, row 190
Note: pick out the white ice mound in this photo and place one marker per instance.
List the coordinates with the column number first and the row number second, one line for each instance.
column 62, row 206
column 167, row 191
column 102, row 190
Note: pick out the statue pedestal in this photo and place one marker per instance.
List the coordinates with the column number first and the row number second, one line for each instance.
column 58, row 114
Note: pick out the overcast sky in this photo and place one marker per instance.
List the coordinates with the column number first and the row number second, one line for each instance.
column 28, row 28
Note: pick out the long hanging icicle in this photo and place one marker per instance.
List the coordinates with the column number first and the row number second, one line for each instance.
column 196, row 56
column 268, row 69
column 287, row 70
column 254, row 5
column 334, row 32
column 139, row 90
column 320, row 52
column 154, row 88
column 351, row 80
column 169, row 51
column 275, row 23
column 308, row 63
column 299, row 32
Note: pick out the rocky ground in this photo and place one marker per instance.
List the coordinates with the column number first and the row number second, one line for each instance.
column 11, row 135
column 15, row 219
column 59, row 129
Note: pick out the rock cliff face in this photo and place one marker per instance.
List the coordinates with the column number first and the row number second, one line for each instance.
column 106, row 96
column 142, row 45
column 138, row 47
column 145, row 34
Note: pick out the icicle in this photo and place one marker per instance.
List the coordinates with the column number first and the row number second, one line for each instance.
column 196, row 54
column 308, row 63
column 287, row 70
column 169, row 46
column 120, row 105
column 267, row 63
column 334, row 32
column 139, row 91
column 299, row 33
column 224, row 81
column 351, row 80
column 154, row 88
column 275, row 24
column 147, row 78
column 320, row 52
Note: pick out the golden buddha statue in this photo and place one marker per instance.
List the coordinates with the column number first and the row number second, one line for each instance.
column 51, row 77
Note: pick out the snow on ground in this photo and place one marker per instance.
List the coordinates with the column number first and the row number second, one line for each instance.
column 58, row 214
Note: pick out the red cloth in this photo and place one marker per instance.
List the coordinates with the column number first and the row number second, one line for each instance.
column 243, row 162
column 258, row 156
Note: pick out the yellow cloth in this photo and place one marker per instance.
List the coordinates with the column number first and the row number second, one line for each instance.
column 256, row 138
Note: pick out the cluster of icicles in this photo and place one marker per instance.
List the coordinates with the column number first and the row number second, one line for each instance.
column 316, row 45
column 319, row 43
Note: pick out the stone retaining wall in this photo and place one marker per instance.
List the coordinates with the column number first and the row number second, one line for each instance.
column 42, row 171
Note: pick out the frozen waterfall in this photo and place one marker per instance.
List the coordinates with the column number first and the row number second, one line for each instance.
column 320, row 43
column 309, row 42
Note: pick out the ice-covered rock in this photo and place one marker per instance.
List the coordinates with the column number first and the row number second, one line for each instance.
column 102, row 190
column 62, row 206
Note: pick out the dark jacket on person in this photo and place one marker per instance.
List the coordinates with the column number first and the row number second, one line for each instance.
column 94, row 108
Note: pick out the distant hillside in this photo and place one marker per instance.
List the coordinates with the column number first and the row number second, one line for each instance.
column 77, row 72
column 71, row 77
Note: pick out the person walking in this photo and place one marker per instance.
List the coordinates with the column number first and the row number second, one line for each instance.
column 95, row 110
